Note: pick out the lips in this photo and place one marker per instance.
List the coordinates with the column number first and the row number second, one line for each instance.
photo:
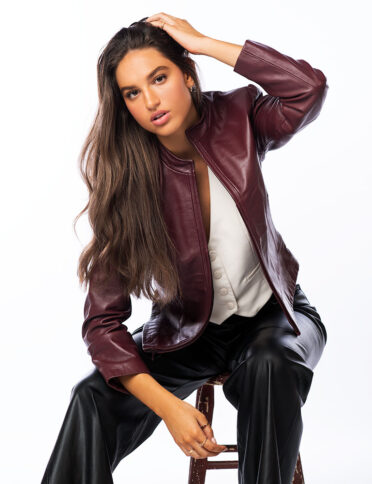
column 155, row 115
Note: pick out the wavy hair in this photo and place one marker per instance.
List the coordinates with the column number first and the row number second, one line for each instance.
column 119, row 163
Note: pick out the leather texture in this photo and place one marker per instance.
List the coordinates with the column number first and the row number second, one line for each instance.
column 102, row 425
column 236, row 130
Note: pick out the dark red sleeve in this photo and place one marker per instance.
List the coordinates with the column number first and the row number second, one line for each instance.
column 296, row 92
column 110, row 344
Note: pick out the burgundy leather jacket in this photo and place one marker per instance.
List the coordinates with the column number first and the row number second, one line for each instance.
column 234, row 133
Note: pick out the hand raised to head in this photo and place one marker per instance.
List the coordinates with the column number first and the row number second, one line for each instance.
column 180, row 30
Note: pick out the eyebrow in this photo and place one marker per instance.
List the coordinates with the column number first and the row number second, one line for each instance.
column 122, row 89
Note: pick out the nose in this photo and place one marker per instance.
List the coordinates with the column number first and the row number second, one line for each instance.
column 151, row 100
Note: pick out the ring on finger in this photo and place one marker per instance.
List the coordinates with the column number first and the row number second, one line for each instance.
column 202, row 444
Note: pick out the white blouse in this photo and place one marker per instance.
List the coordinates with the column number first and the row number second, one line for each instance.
column 239, row 283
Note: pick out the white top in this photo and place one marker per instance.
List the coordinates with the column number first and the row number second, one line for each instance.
column 239, row 283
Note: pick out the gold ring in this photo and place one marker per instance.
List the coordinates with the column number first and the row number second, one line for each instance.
column 202, row 444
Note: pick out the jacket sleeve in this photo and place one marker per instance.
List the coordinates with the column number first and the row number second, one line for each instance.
column 296, row 92
column 110, row 344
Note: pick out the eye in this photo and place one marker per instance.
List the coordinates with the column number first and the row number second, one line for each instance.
column 161, row 75
column 128, row 95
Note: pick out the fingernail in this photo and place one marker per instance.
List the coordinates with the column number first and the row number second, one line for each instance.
column 213, row 440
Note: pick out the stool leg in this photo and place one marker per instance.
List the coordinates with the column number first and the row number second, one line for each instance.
column 298, row 477
column 205, row 404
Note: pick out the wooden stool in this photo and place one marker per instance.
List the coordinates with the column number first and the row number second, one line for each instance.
column 199, row 467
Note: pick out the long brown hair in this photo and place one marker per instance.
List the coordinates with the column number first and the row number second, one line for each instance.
column 120, row 165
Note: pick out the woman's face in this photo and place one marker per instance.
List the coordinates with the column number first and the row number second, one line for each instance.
column 150, row 82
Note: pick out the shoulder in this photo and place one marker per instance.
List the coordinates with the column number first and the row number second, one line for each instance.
column 241, row 98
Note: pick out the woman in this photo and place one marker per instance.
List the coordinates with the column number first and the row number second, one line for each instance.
column 180, row 213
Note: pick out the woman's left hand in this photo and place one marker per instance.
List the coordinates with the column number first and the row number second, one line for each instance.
column 180, row 29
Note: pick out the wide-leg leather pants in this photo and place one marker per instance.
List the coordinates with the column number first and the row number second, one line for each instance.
column 271, row 374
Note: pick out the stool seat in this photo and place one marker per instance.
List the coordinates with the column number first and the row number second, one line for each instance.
column 205, row 404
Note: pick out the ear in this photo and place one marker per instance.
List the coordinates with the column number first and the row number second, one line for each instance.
column 189, row 81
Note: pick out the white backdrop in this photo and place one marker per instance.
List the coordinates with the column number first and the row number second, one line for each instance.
column 318, row 187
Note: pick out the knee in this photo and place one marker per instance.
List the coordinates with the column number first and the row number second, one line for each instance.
column 260, row 360
column 261, row 363
column 85, row 386
column 271, row 363
column 265, row 356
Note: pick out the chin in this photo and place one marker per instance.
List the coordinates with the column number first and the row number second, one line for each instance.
column 169, row 129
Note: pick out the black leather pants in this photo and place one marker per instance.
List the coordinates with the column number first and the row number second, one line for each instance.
column 272, row 371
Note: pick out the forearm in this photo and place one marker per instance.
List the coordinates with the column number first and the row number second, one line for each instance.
column 149, row 391
column 279, row 74
column 295, row 89
column 220, row 50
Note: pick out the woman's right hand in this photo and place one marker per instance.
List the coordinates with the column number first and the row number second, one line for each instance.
column 184, row 423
